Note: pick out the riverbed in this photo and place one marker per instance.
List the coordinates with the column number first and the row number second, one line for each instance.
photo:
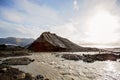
column 54, row 67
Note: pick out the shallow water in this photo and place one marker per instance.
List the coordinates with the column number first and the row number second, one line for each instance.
column 106, row 70
column 56, row 68
column 99, row 70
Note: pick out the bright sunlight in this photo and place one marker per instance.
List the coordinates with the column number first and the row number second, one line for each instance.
column 102, row 28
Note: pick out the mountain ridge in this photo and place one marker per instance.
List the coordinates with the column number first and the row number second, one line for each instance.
column 50, row 42
column 16, row 41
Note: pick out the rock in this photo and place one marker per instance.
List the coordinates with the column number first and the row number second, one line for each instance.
column 18, row 61
column 0, row 62
column 39, row 77
column 89, row 60
column 50, row 42
column 15, row 52
column 71, row 57
column 29, row 77
column 20, row 76
column 32, row 60
column 52, row 63
column 13, row 74
column 92, row 58
column 3, row 70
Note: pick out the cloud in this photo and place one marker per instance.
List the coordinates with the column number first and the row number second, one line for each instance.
column 76, row 6
column 31, row 13
column 12, row 15
column 13, row 29
column 29, row 19
column 104, row 14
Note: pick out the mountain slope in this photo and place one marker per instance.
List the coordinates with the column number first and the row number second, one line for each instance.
column 50, row 42
column 16, row 41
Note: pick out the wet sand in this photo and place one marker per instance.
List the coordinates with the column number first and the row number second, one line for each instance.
column 57, row 68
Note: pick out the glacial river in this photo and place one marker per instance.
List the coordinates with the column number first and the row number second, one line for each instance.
column 56, row 68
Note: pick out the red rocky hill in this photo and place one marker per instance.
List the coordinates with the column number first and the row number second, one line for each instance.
column 50, row 42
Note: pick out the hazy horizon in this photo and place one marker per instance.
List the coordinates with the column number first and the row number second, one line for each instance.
column 93, row 23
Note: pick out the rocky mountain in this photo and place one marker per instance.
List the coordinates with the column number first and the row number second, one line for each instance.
column 16, row 41
column 50, row 42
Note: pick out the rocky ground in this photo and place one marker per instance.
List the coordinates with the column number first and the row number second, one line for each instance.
column 51, row 66
column 8, row 73
column 18, row 61
column 13, row 53
column 92, row 58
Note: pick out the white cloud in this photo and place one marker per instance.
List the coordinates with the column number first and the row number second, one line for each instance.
column 27, row 12
column 32, row 19
column 19, row 30
column 105, row 26
column 39, row 15
column 76, row 6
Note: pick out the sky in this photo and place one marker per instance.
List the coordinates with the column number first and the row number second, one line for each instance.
column 94, row 23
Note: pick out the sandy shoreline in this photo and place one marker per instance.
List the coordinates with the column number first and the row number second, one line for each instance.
column 56, row 68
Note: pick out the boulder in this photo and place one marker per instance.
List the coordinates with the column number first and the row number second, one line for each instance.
column 13, row 74
column 92, row 58
column 39, row 77
column 18, row 61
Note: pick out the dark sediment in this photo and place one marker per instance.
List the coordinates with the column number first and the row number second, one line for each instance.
column 18, row 61
column 92, row 58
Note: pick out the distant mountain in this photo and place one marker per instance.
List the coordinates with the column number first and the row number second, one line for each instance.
column 50, row 42
column 16, row 41
column 116, row 50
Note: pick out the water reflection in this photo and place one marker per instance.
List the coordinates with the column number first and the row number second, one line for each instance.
column 110, row 66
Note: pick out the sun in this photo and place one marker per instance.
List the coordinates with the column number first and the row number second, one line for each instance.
column 102, row 28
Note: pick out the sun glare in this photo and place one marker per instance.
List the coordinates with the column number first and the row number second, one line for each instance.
column 102, row 28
